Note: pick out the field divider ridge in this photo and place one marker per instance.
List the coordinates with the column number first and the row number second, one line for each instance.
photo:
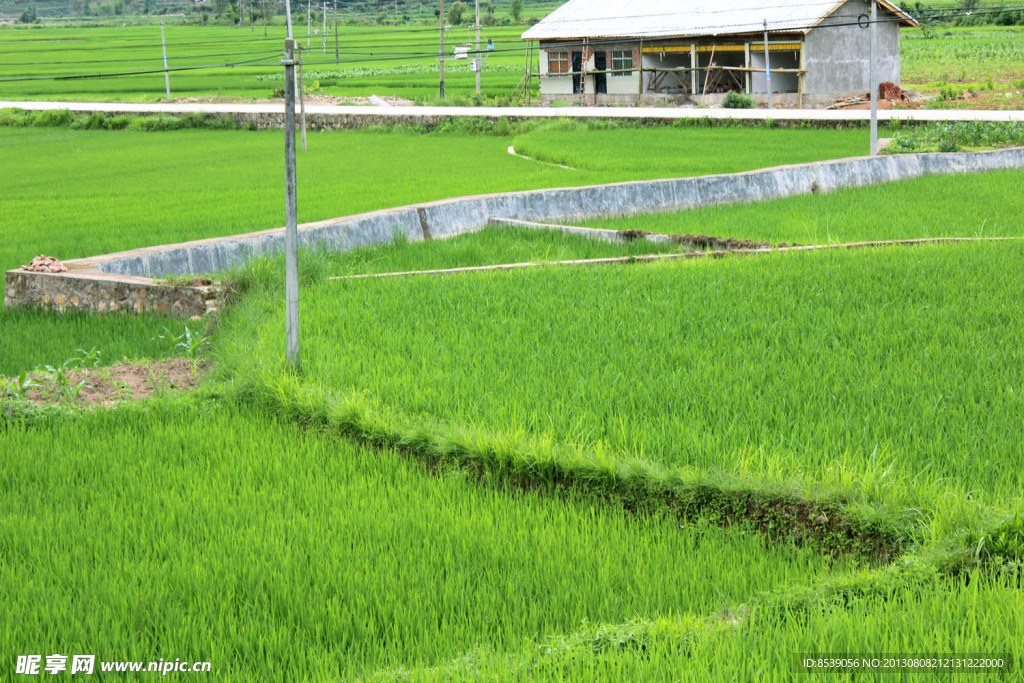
column 779, row 511
column 686, row 255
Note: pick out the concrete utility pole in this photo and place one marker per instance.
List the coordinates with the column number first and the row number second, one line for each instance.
column 167, row 77
column 291, row 239
column 288, row 18
column 440, row 52
column 323, row 31
column 291, row 236
column 873, row 78
column 337, row 57
column 309, row 18
column 767, row 66
column 478, row 62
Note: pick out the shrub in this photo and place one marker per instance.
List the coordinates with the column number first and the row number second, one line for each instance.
column 735, row 100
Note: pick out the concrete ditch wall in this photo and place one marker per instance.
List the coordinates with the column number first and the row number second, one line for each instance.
column 451, row 217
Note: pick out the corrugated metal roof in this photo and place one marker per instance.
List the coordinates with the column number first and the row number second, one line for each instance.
column 670, row 18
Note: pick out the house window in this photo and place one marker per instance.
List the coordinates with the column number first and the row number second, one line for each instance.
column 622, row 62
column 558, row 63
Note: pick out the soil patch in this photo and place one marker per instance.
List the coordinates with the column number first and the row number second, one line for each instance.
column 114, row 384
column 702, row 241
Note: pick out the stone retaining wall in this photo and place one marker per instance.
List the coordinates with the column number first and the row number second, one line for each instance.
column 450, row 217
column 99, row 293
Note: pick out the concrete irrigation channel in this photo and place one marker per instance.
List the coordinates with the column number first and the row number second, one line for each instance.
column 129, row 280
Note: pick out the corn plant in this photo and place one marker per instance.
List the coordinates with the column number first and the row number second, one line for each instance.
column 17, row 387
column 189, row 344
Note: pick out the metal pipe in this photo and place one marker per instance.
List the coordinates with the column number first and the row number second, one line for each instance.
column 873, row 77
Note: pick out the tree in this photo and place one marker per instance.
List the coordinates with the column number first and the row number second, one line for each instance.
column 516, row 10
column 29, row 15
column 456, row 11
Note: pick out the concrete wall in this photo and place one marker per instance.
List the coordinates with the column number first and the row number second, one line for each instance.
column 455, row 216
column 781, row 82
column 837, row 57
column 120, row 277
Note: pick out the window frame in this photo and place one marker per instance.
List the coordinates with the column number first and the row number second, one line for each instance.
column 559, row 63
column 622, row 59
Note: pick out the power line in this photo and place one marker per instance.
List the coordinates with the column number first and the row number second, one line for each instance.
column 68, row 77
column 130, row 61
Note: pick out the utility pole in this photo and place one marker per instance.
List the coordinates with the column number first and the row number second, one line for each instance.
column 309, row 13
column 324, row 29
column 873, row 78
column 302, row 100
column 767, row 66
column 478, row 62
column 337, row 59
column 167, row 77
column 291, row 238
column 440, row 52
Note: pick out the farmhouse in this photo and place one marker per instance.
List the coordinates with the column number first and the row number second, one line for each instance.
column 612, row 52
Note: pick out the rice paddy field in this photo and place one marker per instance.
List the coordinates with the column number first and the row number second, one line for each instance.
column 124, row 63
column 90, row 192
column 693, row 469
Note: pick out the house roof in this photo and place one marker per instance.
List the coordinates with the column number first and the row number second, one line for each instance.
column 687, row 18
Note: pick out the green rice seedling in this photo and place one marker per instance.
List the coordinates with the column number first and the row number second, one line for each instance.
column 32, row 338
column 874, row 375
column 226, row 534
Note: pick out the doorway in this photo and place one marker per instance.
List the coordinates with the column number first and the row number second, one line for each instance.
column 600, row 79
